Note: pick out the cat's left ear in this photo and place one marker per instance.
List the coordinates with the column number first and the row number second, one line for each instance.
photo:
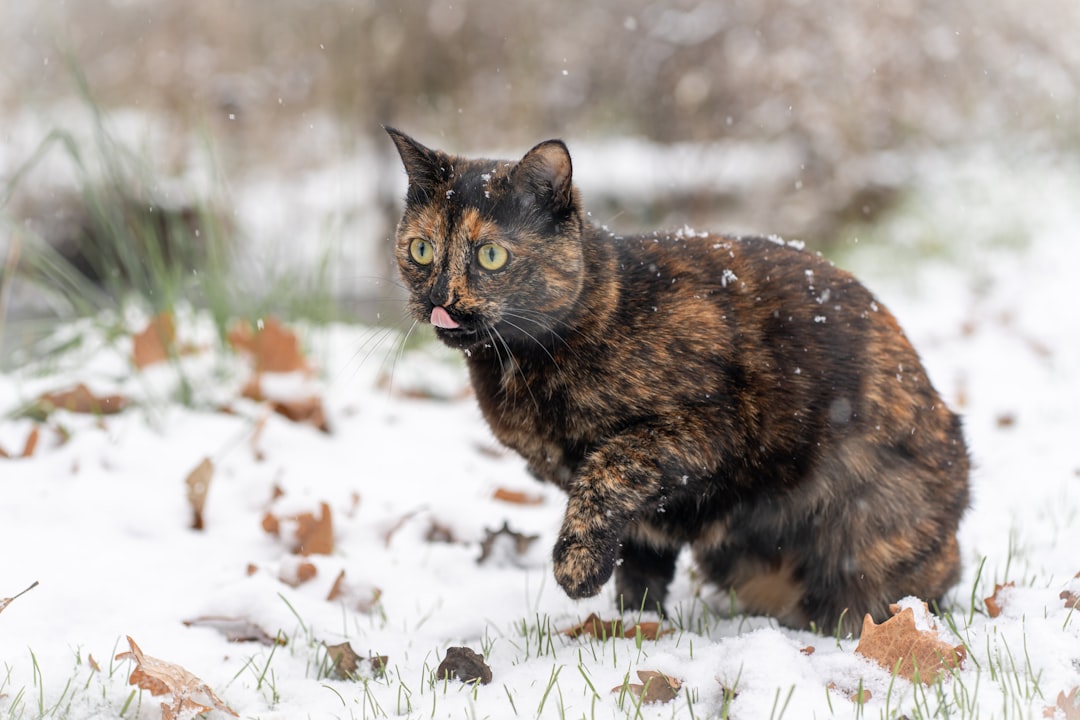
column 424, row 166
column 545, row 174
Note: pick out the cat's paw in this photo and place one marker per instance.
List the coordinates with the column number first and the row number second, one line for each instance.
column 582, row 566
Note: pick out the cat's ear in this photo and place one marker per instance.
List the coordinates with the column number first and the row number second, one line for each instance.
column 425, row 167
column 545, row 174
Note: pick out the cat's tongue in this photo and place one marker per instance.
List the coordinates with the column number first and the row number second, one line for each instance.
column 441, row 319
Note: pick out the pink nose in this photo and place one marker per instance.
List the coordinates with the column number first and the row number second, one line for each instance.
column 441, row 319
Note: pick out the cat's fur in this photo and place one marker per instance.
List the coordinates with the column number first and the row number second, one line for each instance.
column 735, row 394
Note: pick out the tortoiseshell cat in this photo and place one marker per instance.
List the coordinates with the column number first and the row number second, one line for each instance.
column 736, row 394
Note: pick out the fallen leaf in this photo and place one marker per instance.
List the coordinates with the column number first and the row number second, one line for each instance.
column 594, row 626
column 237, row 630
column 655, row 687
column 298, row 574
column 80, row 399
column 307, row 410
column 31, row 442
column 861, row 697
column 1068, row 704
column 808, row 650
column 464, row 664
column 648, row 630
column 517, row 497
column 274, row 347
column 93, row 663
column 256, row 438
column 519, row 543
column 198, row 483
column 156, row 342
column 4, row 602
column 360, row 599
column 994, row 604
column 899, row 646
column 165, row 678
column 1071, row 598
column 315, row 536
column 344, row 660
column 439, row 533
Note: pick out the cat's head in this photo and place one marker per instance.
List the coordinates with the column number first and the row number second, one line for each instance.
column 490, row 250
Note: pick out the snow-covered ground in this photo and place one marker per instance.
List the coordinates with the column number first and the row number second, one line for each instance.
column 98, row 515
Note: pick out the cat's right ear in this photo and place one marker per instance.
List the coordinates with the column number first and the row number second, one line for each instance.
column 425, row 167
column 545, row 174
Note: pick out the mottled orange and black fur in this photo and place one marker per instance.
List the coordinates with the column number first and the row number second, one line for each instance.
column 735, row 394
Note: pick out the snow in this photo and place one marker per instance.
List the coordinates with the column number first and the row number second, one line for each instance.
column 101, row 519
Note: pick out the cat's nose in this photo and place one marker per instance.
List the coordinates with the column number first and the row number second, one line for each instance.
column 441, row 295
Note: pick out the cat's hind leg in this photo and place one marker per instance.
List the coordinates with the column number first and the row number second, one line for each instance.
column 643, row 574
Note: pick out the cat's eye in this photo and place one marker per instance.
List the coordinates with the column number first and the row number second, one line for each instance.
column 421, row 251
column 492, row 256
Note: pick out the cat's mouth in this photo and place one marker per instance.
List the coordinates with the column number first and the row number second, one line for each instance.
column 460, row 333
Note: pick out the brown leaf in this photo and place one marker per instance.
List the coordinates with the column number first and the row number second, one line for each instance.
column 649, row 631
column 604, row 629
column 1072, row 599
column 439, row 533
column 898, row 646
column 861, row 697
column 237, row 630
column 155, row 343
column 993, row 604
column 594, row 626
column 655, row 687
column 344, row 660
column 519, row 543
column 165, row 678
column 307, row 410
column 361, row 599
column 198, row 483
column 315, row 536
column 464, row 664
column 1068, row 704
column 93, row 663
column 31, row 442
column 4, row 602
column 298, row 574
column 517, row 497
column 274, row 347
column 808, row 650
column 80, row 399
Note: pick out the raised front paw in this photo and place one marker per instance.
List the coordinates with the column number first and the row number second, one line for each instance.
column 583, row 565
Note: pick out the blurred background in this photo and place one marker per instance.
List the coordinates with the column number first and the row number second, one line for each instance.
column 256, row 124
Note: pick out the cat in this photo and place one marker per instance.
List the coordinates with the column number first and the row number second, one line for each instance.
column 735, row 394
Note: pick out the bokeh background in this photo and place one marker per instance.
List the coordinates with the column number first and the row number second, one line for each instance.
column 817, row 121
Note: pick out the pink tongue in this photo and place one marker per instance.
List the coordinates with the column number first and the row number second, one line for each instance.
column 441, row 319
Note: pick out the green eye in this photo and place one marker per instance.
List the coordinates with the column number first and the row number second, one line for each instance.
column 421, row 251
column 492, row 256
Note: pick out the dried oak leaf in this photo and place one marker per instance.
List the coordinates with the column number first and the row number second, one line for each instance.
column 994, row 604
column 307, row 410
column 344, row 662
column 464, row 664
column 198, row 484
column 80, row 399
column 274, row 347
column 604, row 629
column 165, row 678
column 4, row 602
column 237, row 630
column 298, row 574
column 517, row 497
column 519, row 543
column 655, row 687
column 360, row 599
column 594, row 626
column 314, row 535
column 1069, row 704
column 1072, row 599
column 156, row 342
column 899, row 646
